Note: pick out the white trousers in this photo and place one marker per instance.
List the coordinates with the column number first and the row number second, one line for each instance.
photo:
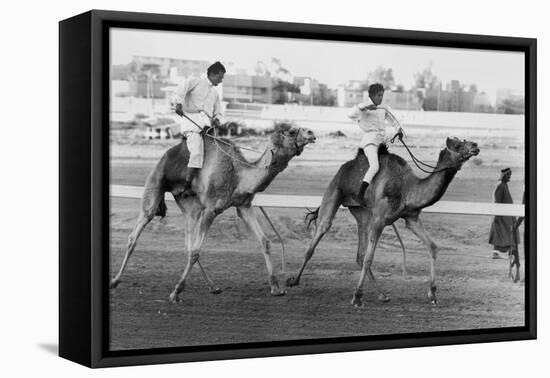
column 197, row 118
column 371, row 151
column 195, row 145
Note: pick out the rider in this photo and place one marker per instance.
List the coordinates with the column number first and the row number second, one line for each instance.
column 371, row 117
column 199, row 101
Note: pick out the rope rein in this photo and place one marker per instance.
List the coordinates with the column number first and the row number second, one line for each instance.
column 217, row 139
column 416, row 160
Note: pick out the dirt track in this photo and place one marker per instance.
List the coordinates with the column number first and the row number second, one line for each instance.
column 473, row 291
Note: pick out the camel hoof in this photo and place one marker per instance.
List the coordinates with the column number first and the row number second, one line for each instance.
column 114, row 283
column 175, row 298
column 357, row 302
column 292, row 281
column 278, row 292
column 383, row 298
column 215, row 290
column 431, row 295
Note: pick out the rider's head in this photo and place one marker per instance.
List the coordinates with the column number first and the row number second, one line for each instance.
column 215, row 73
column 376, row 93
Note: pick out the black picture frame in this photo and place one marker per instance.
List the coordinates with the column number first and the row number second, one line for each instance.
column 84, row 187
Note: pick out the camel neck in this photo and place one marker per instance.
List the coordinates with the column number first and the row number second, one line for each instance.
column 430, row 189
column 265, row 169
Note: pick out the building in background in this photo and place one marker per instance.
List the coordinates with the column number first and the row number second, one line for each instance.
column 456, row 97
column 166, row 67
column 352, row 92
column 402, row 100
column 154, row 77
column 247, row 89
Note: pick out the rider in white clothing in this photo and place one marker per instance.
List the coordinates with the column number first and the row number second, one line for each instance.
column 371, row 118
column 200, row 102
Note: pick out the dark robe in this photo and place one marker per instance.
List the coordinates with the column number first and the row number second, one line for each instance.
column 502, row 227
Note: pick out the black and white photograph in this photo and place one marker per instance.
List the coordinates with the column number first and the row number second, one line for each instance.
column 266, row 189
column 275, row 188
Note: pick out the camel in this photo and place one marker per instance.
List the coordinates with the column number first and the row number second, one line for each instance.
column 394, row 193
column 226, row 180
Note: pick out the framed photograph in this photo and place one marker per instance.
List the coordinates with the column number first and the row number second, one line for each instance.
column 235, row 188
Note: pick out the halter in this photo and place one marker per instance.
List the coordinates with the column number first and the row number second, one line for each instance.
column 417, row 161
column 217, row 139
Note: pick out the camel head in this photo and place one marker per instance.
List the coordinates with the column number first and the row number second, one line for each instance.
column 461, row 150
column 290, row 140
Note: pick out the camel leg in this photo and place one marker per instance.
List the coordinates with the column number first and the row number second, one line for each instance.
column 327, row 211
column 415, row 225
column 149, row 204
column 361, row 217
column 249, row 218
column 373, row 235
column 211, row 286
column 197, row 227
column 404, row 273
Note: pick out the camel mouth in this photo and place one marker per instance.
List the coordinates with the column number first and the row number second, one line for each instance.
column 307, row 137
column 474, row 152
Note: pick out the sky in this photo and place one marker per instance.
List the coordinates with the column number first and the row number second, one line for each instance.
column 329, row 62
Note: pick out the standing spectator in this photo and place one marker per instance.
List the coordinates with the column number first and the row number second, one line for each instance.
column 502, row 227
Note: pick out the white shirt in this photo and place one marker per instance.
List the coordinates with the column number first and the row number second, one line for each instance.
column 373, row 122
column 198, row 94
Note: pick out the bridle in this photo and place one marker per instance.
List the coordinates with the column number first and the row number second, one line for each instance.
column 217, row 139
column 463, row 157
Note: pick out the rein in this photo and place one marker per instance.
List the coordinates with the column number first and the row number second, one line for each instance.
column 417, row 161
column 217, row 139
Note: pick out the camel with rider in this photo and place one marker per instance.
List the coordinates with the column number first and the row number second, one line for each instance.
column 396, row 192
column 226, row 180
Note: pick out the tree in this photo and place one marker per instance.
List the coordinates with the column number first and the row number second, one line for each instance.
column 282, row 89
column 383, row 76
column 426, row 79
column 512, row 106
column 426, row 85
column 323, row 96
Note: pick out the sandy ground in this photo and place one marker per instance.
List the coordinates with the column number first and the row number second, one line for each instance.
column 474, row 291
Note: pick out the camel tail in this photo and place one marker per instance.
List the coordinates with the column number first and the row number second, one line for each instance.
column 311, row 217
column 161, row 209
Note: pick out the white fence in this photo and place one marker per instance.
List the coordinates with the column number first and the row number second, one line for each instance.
column 293, row 201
